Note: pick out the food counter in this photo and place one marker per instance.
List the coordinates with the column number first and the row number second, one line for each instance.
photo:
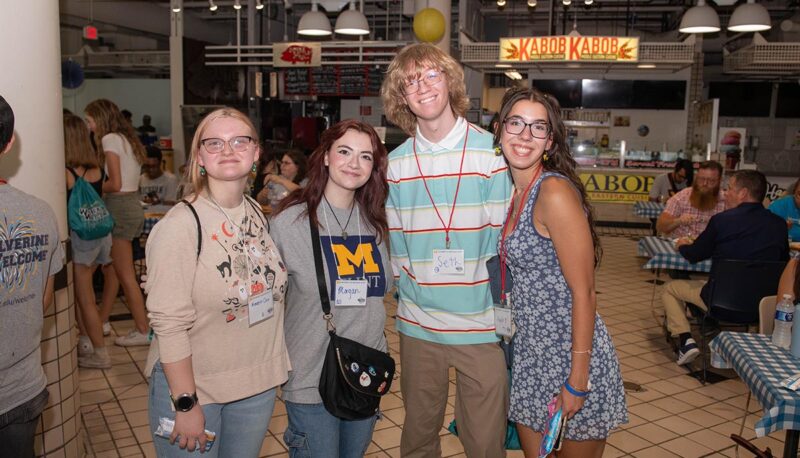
column 613, row 190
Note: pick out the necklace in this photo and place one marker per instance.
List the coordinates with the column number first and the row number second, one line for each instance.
column 352, row 207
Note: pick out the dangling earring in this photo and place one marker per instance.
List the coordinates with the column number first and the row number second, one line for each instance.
column 254, row 168
column 544, row 158
column 498, row 151
column 202, row 171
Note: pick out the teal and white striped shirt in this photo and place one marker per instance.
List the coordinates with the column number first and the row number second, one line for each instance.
column 448, row 309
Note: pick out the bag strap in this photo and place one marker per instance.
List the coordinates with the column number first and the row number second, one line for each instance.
column 72, row 171
column 196, row 220
column 321, row 285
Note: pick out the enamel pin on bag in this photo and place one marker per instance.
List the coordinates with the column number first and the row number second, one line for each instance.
column 354, row 376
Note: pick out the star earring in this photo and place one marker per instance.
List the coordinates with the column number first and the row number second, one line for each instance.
column 498, row 151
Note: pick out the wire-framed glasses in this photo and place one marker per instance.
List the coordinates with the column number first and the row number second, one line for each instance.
column 430, row 78
column 238, row 144
column 515, row 126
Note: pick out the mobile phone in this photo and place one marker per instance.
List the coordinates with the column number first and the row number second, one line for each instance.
column 553, row 431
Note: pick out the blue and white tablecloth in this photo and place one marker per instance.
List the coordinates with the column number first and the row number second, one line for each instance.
column 762, row 366
column 647, row 209
column 152, row 215
column 663, row 255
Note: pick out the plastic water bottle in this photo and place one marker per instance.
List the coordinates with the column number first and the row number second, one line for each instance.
column 784, row 313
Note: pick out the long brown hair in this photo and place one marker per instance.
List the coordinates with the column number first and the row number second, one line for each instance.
column 109, row 120
column 559, row 158
column 78, row 150
column 370, row 198
column 408, row 64
column 200, row 182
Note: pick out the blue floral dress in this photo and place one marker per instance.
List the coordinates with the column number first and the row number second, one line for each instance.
column 542, row 304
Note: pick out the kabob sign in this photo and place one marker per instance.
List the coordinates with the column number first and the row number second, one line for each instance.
column 569, row 48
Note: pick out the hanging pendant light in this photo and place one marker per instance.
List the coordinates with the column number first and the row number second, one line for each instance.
column 237, row 5
column 259, row 5
column 352, row 22
column 314, row 23
column 212, row 6
column 700, row 19
column 750, row 17
column 532, row 3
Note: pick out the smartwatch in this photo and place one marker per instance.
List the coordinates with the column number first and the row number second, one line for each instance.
column 184, row 402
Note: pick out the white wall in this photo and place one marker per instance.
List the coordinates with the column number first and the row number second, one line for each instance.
column 139, row 96
column 667, row 128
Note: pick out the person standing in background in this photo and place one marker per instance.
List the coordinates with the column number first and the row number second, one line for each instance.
column 30, row 256
column 157, row 186
column 448, row 192
column 83, row 161
column 124, row 156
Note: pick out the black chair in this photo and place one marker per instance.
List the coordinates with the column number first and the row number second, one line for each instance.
column 737, row 287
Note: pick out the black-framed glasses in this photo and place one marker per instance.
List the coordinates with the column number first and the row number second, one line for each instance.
column 515, row 126
column 430, row 78
column 238, row 144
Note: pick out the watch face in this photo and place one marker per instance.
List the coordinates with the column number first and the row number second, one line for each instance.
column 185, row 403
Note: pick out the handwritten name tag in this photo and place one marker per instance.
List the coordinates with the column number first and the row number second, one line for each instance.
column 260, row 308
column 448, row 262
column 351, row 293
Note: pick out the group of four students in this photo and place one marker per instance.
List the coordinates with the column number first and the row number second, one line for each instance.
column 233, row 305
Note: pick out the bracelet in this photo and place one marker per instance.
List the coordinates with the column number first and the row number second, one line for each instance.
column 582, row 352
column 575, row 392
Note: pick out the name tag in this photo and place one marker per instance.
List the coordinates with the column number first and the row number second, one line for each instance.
column 351, row 293
column 260, row 308
column 448, row 262
column 502, row 322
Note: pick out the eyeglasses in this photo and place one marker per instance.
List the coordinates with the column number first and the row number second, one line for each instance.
column 431, row 78
column 217, row 145
column 515, row 126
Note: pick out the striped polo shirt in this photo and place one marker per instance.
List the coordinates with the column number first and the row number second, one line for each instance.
column 448, row 309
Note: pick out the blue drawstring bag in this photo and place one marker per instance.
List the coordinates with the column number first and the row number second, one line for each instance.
column 86, row 212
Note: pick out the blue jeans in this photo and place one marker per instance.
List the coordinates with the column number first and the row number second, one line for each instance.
column 18, row 425
column 240, row 425
column 315, row 433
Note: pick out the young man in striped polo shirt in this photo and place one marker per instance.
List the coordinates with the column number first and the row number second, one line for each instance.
column 448, row 193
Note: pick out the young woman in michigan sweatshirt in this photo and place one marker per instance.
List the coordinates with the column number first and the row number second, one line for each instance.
column 219, row 351
column 344, row 198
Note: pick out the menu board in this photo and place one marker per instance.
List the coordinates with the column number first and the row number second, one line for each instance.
column 339, row 80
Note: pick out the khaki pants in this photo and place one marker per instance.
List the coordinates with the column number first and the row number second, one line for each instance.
column 674, row 298
column 481, row 397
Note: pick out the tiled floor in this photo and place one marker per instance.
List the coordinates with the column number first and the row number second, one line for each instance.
column 674, row 415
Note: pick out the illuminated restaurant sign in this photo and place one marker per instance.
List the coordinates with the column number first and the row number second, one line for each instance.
column 569, row 48
column 616, row 188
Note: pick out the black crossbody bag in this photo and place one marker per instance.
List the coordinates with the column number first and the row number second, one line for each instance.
column 354, row 376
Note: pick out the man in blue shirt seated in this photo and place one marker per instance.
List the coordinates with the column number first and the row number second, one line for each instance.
column 746, row 231
column 788, row 208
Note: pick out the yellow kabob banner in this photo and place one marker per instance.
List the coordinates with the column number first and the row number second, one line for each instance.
column 569, row 48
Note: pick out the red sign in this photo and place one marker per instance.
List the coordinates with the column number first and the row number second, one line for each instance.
column 296, row 55
column 90, row 32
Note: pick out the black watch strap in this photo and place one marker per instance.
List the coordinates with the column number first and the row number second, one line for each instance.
column 184, row 402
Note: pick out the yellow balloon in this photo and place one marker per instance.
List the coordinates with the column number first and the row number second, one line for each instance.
column 429, row 25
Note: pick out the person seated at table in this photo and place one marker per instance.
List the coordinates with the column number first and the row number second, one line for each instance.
column 788, row 208
column 745, row 231
column 669, row 184
column 687, row 213
column 292, row 168
column 157, row 186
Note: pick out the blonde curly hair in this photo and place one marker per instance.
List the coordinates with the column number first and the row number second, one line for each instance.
column 408, row 65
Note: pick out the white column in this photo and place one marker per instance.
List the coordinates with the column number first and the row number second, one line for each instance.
column 176, row 88
column 444, row 7
column 31, row 83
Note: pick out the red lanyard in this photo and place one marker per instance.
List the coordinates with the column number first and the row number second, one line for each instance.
column 455, row 197
column 502, row 251
column 2, row 181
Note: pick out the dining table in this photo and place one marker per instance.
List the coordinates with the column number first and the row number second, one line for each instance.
column 762, row 366
column 662, row 254
column 647, row 209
